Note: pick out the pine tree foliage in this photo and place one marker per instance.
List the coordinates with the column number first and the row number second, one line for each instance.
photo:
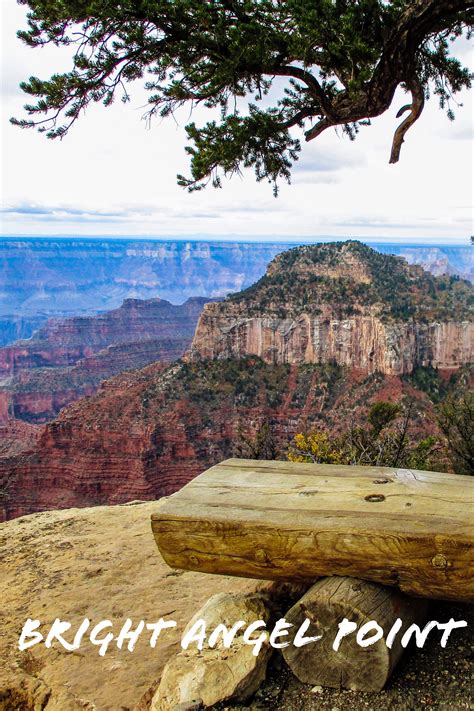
column 329, row 63
column 456, row 420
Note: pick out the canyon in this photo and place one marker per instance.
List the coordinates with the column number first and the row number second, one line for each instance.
column 45, row 277
column 146, row 432
column 68, row 358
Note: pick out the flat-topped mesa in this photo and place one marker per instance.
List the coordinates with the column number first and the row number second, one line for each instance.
column 347, row 304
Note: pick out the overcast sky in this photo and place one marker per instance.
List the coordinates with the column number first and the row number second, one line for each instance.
column 114, row 176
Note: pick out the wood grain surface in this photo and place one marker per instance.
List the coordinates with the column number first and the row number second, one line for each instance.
column 289, row 521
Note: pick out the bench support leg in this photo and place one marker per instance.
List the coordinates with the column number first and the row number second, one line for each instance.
column 352, row 666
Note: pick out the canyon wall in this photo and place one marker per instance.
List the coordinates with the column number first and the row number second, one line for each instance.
column 437, row 259
column 63, row 342
column 146, row 433
column 68, row 358
column 366, row 342
column 347, row 304
column 14, row 327
column 326, row 332
column 71, row 276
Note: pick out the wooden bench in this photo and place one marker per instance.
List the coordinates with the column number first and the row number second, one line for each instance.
column 294, row 522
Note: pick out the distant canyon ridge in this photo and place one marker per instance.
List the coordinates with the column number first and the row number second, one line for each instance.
column 69, row 358
column 63, row 277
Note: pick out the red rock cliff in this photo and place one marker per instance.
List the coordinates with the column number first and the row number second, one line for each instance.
column 146, row 433
column 63, row 342
column 68, row 358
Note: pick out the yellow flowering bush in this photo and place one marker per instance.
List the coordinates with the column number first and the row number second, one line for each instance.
column 316, row 447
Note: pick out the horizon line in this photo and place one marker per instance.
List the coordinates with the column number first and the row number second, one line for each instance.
column 251, row 239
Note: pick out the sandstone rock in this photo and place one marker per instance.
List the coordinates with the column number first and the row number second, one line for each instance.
column 227, row 608
column 364, row 342
column 217, row 674
column 340, row 303
column 214, row 675
column 192, row 706
column 100, row 563
column 17, row 437
column 68, row 358
column 63, row 342
column 144, row 434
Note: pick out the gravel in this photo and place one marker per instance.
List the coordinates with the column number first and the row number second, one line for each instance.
column 425, row 679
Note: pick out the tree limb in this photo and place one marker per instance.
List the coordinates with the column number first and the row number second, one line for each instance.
column 315, row 88
column 345, row 61
column 416, row 107
column 318, row 128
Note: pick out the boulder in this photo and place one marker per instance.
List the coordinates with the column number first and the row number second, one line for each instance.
column 217, row 674
column 213, row 676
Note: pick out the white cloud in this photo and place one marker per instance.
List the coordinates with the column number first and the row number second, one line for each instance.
column 113, row 175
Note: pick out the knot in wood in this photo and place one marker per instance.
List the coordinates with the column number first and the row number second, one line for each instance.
column 375, row 497
column 382, row 481
column 261, row 556
column 194, row 559
column 439, row 561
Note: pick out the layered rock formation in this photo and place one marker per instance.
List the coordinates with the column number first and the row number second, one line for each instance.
column 148, row 432
column 68, row 358
column 63, row 342
column 345, row 304
column 334, row 327
column 44, row 277
column 17, row 437
column 14, row 328
column 69, row 276
column 439, row 259
column 358, row 342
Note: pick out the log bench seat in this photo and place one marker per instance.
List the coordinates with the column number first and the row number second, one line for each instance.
column 275, row 520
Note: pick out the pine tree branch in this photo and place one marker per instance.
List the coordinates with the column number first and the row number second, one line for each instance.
column 416, row 108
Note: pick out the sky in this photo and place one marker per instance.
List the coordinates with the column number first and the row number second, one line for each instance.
column 113, row 175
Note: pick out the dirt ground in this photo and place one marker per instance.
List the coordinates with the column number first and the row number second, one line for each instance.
column 102, row 563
